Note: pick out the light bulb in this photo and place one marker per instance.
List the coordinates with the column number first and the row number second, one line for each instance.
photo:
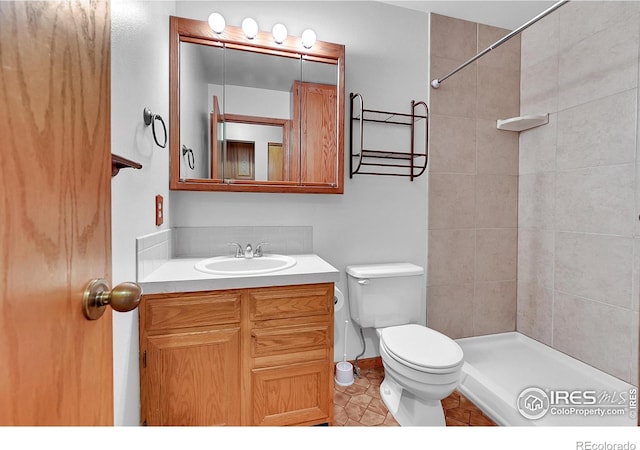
column 279, row 32
column 308, row 38
column 216, row 22
column 250, row 27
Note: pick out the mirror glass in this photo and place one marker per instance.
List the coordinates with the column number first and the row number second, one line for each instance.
column 254, row 119
column 257, row 112
column 201, row 93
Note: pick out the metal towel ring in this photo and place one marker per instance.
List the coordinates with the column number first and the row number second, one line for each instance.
column 150, row 119
column 190, row 158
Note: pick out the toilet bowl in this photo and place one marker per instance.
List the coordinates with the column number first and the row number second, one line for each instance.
column 422, row 366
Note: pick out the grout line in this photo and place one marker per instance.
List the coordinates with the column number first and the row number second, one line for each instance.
column 593, row 300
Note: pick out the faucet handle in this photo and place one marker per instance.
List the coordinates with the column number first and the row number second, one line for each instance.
column 239, row 249
column 258, row 250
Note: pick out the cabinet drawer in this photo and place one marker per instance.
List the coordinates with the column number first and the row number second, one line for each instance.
column 276, row 303
column 191, row 310
column 273, row 341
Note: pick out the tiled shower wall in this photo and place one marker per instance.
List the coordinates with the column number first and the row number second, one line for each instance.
column 578, row 230
column 473, row 181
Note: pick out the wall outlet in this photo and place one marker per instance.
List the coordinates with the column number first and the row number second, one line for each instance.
column 159, row 210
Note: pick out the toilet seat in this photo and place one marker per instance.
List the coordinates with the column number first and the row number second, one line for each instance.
column 421, row 348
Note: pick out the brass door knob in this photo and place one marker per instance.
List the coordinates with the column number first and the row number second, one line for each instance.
column 124, row 297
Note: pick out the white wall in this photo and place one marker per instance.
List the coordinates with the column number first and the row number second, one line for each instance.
column 139, row 78
column 378, row 219
column 248, row 101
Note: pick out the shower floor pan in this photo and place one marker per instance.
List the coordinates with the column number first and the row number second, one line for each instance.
column 499, row 367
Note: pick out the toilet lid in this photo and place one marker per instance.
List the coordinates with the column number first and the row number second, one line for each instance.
column 421, row 346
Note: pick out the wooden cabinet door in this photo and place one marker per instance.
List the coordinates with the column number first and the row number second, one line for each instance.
column 193, row 378
column 291, row 394
column 314, row 142
column 318, row 123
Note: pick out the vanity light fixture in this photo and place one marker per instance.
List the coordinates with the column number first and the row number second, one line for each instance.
column 308, row 38
column 216, row 22
column 250, row 27
column 279, row 32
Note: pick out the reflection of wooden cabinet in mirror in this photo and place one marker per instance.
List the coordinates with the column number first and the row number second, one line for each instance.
column 285, row 99
column 313, row 107
column 275, row 162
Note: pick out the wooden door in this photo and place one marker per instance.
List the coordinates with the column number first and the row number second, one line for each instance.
column 239, row 161
column 275, row 157
column 55, row 230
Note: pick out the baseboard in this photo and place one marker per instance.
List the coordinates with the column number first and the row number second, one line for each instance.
column 368, row 363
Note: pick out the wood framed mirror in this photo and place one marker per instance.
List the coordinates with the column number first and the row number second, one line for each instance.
column 251, row 115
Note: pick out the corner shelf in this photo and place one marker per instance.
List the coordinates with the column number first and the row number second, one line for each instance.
column 522, row 123
column 410, row 163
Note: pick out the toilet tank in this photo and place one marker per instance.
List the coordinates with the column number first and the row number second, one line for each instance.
column 383, row 295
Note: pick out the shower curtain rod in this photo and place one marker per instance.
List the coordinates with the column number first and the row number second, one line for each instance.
column 436, row 82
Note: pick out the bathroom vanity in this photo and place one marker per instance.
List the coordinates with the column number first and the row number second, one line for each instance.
column 237, row 350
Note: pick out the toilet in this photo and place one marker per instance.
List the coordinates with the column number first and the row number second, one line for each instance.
column 421, row 365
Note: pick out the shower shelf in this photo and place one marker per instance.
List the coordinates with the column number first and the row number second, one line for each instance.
column 365, row 161
column 522, row 123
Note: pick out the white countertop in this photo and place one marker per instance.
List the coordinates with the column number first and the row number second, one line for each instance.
column 180, row 275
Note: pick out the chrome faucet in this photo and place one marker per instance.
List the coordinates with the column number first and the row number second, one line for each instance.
column 258, row 251
column 248, row 251
column 239, row 249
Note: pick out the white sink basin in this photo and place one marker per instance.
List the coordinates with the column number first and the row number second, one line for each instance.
column 229, row 265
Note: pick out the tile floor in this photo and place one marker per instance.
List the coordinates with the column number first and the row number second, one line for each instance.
column 360, row 405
